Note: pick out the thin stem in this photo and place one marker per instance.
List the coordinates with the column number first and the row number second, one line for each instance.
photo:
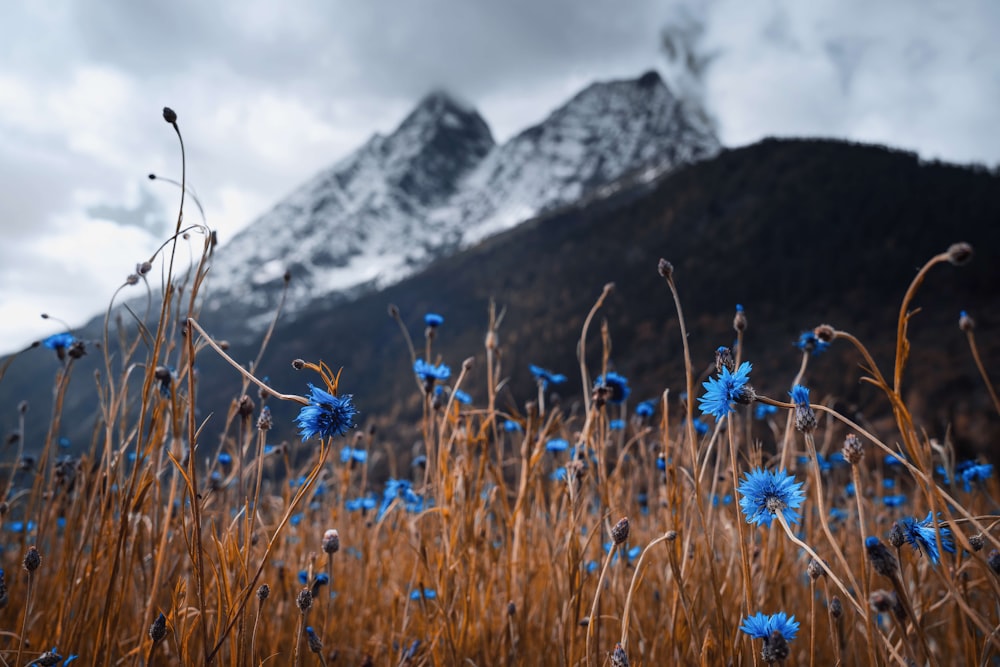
column 597, row 596
column 982, row 369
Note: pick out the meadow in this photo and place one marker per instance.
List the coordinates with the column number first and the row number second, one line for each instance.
column 630, row 532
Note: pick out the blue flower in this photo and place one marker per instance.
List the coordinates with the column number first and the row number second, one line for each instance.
column 425, row 593
column 976, row 473
column 618, row 385
column 559, row 474
column 763, row 410
column 546, row 376
column 511, row 426
column 617, row 425
column 646, row 409
column 59, row 341
column 808, row 342
column 326, row 415
column 838, row 514
column 429, row 372
column 764, row 493
column 360, row 504
column 296, row 519
column 225, row 459
column 350, row 454
column 921, row 536
column 303, row 577
column 894, row 501
column 891, row 460
column 462, row 397
column 556, row 445
column 433, row 320
column 700, row 427
column 761, row 626
column 723, row 391
column 800, row 395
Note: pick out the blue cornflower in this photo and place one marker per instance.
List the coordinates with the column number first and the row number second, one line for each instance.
column 700, row 426
column 352, row 455
column 295, row 519
column 920, row 535
column 225, row 459
column 425, row 593
column 511, row 426
column 979, row 472
column 360, row 504
column 303, row 577
column 661, row 462
column 617, row 425
column 800, row 395
column 556, row 445
column 429, row 372
column 764, row 493
column 546, row 376
column 326, row 415
column 761, row 626
column 763, row 410
column 808, row 342
column 891, row 460
column 646, row 409
column 462, row 397
column 728, row 388
column 559, row 474
column 888, row 483
column 618, row 384
column 59, row 341
column 433, row 320
column 838, row 514
column 894, row 501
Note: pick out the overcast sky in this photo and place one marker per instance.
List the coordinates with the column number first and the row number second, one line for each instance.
column 268, row 92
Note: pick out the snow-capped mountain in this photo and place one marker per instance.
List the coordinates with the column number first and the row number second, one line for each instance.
column 439, row 182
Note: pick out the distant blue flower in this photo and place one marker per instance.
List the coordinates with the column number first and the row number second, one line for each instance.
column 849, row 489
column 976, row 473
column 511, row 426
column 646, row 409
column 763, row 410
column 352, row 455
column 64, row 442
column 559, row 474
column 419, row 461
column 360, row 504
column 400, row 489
column 800, row 395
column 303, row 577
column 761, row 626
column 21, row 527
column 322, row 579
column 592, row 566
column 921, row 536
column 546, row 376
column 618, row 385
column 225, row 459
column 764, row 493
column 838, row 514
column 59, row 341
column 617, row 425
column 326, row 415
column 700, row 426
column 808, row 342
column 725, row 500
column 295, row 519
column 888, row 483
column 723, row 391
column 556, row 445
column 661, row 462
column 891, row 460
column 462, row 397
column 433, row 320
column 739, row 308
column 425, row 593
column 894, row 501
column 429, row 372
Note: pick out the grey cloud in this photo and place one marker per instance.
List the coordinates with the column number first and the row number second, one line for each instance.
column 148, row 215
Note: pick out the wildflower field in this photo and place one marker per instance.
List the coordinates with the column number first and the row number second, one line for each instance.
column 635, row 532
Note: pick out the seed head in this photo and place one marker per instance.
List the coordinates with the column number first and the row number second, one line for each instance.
column 32, row 559
column 775, row 648
column 740, row 319
column 671, row 535
column 304, row 600
column 619, row 532
column 331, row 541
column 618, row 657
column 824, row 333
column 264, row 422
column 882, row 560
column 853, row 451
column 960, row 253
column 724, row 359
column 298, row 364
column 814, row 569
column 315, row 645
column 169, row 115
column 993, row 560
column 263, row 592
column 965, row 322
column 142, row 268
column 896, row 536
column 511, row 608
column 977, row 542
column 158, row 630
column 665, row 268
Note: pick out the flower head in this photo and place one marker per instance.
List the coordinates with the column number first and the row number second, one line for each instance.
column 761, row 626
column 730, row 387
column 546, row 376
column 433, row 320
column 762, row 411
column 351, row 455
column 616, row 385
column 59, row 341
column 556, row 445
column 646, row 409
column 765, row 493
column 326, row 415
column 921, row 536
column 808, row 342
column 977, row 472
column 429, row 372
